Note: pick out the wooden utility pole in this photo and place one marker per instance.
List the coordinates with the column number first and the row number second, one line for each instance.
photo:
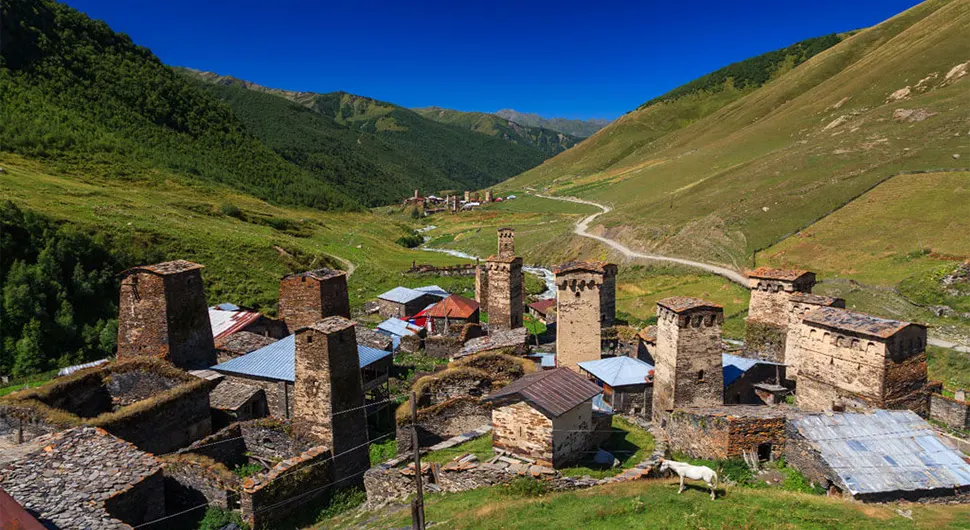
column 417, row 505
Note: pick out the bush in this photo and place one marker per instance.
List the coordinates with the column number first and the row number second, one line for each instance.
column 231, row 210
column 216, row 518
column 410, row 241
column 525, row 487
column 247, row 470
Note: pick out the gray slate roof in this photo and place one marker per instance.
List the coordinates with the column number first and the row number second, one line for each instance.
column 886, row 451
column 278, row 360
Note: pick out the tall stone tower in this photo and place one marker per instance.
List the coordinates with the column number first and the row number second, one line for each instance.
column 328, row 395
column 506, row 242
column 162, row 313
column 608, row 294
column 307, row 297
column 688, row 367
column 488, row 196
column 506, row 285
column 767, row 324
column 481, row 287
column 579, row 287
column 798, row 305
column 468, row 196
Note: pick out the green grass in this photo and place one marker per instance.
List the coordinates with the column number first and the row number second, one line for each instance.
column 383, row 451
column 950, row 367
column 628, row 442
column 32, row 381
column 656, row 504
column 534, row 325
column 481, row 447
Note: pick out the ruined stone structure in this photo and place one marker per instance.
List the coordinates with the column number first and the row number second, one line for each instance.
column 506, row 242
column 952, row 412
column 767, row 324
column 163, row 314
column 725, row 432
column 307, row 297
column 688, row 367
column 481, row 287
column 798, row 305
column 852, row 360
column 328, row 395
column 505, row 292
column 578, row 313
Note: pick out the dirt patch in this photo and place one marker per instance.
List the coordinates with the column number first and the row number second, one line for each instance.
column 956, row 72
column 898, row 95
column 836, row 122
column 911, row 115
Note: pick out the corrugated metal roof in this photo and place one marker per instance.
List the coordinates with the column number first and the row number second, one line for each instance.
column 555, row 391
column 226, row 321
column 735, row 367
column 71, row 369
column 887, row 451
column 454, row 306
column 619, row 371
column 398, row 327
column 277, row 361
column 401, row 295
column 865, row 324
column 433, row 289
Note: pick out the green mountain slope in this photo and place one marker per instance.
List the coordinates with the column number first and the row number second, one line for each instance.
column 378, row 151
column 577, row 128
column 547, row 140
column 86, row 98
column 769, row 161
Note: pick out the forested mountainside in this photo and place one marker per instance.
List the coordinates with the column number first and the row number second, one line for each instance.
column 547, row 140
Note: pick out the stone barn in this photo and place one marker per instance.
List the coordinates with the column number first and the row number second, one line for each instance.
column 627, row 384
column 307, row 297
column 726, row 432
column 798, row 305
column 688, row 368
column 548, row 417
column 544, row 311
column 163, row 313
column 455, row 310
column 885, row 456
column 852, row 360
column 578, row 315
column 767, row 325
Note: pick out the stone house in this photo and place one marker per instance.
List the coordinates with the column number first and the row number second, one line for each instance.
column 852, row 360
column 397, row 330
column 953, row 412
column 627, row 384
column 798, row 305
column 162, row 313
column 401, row 302
column 885, row 456
column 753, row 381
column 454, row 311
column 767, row 324
column 231, row 402
column 544, row 311
column 547, row 417
column 727, row 431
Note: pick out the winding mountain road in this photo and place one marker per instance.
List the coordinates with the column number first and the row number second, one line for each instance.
column 582, row 229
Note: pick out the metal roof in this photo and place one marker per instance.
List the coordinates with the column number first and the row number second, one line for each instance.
column 455, row 306
column 278, row 360
column 735, row 367
column 227, row 319
column 71, row 369
column 554, row 391
column 887, row 451
column 433, row 289
column 862, row 323
column 398, row 327
column 403, row 295
column 619, row 371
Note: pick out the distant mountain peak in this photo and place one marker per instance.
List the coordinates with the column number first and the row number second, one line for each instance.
column 579, row 128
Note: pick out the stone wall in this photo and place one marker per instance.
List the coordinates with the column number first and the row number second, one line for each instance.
column 805, row 457
column 444, row 420
column 608, row 295
column 636, row 400
column 292, row 483
column 765, row 340
column 950, row 412
column 506, row 242
column 688, row 366
column 311, row 296
column 481, row 288
column 139, row 503
column 190, row 481
column 442, row 346
column 165, row 425
column 279, row 394
column 578, row 316
column 505, row 296
column 721, row 433
column 522, row 430
column 388, row 309
column 796, row 310
column 226, row 446
column 573, row 434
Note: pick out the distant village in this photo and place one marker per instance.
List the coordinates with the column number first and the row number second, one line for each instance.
column 146, row 439
column 451, row 203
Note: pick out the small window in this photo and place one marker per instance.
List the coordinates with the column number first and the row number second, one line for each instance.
column 309, row 339
column 700, row 375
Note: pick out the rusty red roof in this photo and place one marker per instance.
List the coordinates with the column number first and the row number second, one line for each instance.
column 543, row 305
column 679, row 304
column 455, row 306
column 769, row 273
column 845, row 320
column 554, row 391
column 817, row 299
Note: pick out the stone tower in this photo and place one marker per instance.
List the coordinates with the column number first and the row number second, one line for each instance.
column 798, row 305
column 608, row 294
column 579, row 289
column 488, row 196
column 767, row 324
column 506, row 243
column 468, row 196
column 505, row 306
column 481, row 287
column 328, row 395
column 307, row 297
column 162, row 313
column 688, row 367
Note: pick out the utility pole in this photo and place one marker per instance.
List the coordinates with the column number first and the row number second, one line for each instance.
column 417, row 505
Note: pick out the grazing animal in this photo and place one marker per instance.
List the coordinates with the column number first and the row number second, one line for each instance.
column 692, row 472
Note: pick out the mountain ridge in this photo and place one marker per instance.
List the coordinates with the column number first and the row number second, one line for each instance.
column 578, row 128
column 549, row 141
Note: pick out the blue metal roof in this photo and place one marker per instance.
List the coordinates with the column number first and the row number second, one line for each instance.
column 735, row 367
column 889, row 450
column 435, row 290
column 278, row 360
column 403, row 295
column 398, row 327
column 619, row 371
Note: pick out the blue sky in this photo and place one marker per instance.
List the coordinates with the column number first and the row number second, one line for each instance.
column 557, row 58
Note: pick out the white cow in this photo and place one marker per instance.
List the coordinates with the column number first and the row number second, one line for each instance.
column 692, row 472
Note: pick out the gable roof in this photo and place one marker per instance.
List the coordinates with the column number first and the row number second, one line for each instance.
column 433, row 289
column 454, row 306
column 619, row 371
column 166, row 268
column 886, row 451
column 648, row 334
column 403, row 295
column 396, row 326
column 543, row 305
column 278, row 360
column 843, row 319
column 817, row 299
column 227, row 319
column 554, row 391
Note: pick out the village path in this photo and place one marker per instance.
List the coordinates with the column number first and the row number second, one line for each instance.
column 582, row 229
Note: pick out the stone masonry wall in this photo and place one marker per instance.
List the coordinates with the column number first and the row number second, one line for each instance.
column 167, row 425
column 688, row 367
column 796, row 310
column 139, row 503
column 481, row 288
column 608, row 296
column 578, row 318
column 505, row 302
column 293, row 483
column 746, row 435
column 696, row 435
column 142, row 324
column 950, row 412
column 572, row 435
column 506, row 242
column 444, row 420
column 767, row 328
column 279, row 394
column 522, row 430
column 305, row 299
column 833, row 365
column 190, row 342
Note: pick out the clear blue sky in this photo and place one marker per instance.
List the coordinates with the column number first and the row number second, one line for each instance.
column 594, row 59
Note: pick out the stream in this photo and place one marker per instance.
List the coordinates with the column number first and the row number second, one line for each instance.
column 545, row 274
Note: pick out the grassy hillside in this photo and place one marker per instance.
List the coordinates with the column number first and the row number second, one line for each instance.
column 381, row 152
column 769, row 162
column 577, row 128
column 547, row 140
column 85, row 98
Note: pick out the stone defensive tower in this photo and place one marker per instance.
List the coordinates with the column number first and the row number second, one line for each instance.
column 506, row 243
column 307, row 297
column 608, row 294
column 688, row 367
column 798, row 305
column 468, row 196
column 488, row 196
column 481, row 287
column 163, row 313
column 328, row 397
column 578, row 334
column 767, row 324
